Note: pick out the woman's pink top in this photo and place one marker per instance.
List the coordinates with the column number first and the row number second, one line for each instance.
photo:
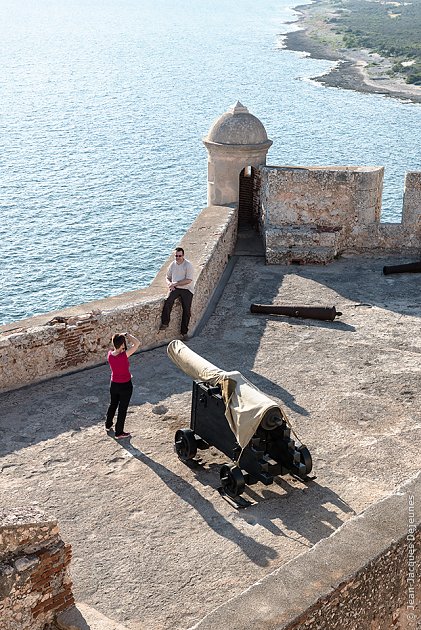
column 120, row 368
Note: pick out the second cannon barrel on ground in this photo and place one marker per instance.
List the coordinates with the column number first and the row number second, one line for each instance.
column 325, row 313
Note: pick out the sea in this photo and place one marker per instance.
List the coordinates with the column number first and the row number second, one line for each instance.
column 103, row 108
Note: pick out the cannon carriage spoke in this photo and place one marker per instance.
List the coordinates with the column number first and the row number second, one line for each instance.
column 185, row 444
column 232, row 480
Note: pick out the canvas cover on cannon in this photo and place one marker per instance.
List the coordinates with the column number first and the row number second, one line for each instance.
column 233, row 415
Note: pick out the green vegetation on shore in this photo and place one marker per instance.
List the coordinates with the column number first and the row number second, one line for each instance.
column 391, row 29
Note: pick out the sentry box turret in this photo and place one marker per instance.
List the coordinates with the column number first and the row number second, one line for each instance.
column 231, row 414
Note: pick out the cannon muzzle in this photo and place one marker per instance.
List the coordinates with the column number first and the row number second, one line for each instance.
column 306, row 312
column 245, row 404
column 414, row 267
column 233, row 415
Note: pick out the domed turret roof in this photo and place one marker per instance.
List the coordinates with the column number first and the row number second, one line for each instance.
column 238, row 126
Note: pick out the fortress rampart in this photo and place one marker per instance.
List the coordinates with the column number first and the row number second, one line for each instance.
column 315, row 214
column 63, row 341
column 357, row 576
column 305, row 215
column 35, row 584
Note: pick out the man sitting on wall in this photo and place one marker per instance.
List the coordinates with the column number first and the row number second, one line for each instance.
column 180, row 280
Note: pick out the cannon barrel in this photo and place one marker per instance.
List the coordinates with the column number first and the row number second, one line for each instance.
column 245, row 405
column 414, row 267
column 306, row 312
column 231, row 414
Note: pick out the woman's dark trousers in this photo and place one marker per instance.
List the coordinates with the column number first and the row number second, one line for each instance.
column 186, row 298
column 120, row 398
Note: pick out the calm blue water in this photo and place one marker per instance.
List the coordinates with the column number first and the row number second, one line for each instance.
column 103, row 105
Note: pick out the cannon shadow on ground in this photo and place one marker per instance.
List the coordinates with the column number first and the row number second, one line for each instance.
column 287, row 504
column 258, row 553
column 293, row 513
column 311, row 323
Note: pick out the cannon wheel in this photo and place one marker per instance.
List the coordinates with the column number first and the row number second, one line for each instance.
column 185, row 444
column 232, row 480
column 305, row 458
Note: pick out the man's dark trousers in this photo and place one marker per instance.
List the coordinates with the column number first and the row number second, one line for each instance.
column 186, row 298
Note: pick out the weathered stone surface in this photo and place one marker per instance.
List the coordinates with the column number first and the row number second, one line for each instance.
column 411, row 213
column 359, row 578
column 299, row 200
column 154, row 545
column 83, row 617
column 58, row 343
column 34, row 580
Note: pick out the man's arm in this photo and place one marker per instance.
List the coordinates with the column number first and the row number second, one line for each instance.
column 169, row 276
column 182, row 283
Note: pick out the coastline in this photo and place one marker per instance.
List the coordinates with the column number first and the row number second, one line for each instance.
column 353, row 70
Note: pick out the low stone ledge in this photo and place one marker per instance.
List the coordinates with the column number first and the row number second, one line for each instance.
column 362, row 576
column 65, row 341
column 385, row 238
column 34, row 581
column 83, row 617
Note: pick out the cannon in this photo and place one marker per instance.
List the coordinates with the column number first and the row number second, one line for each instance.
column 414, row 267
column 231, row 414
column 324, row 313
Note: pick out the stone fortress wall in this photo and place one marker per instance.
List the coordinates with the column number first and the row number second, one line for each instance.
column 35, row 584
column 306, row 214
column 315, row 214
column 310, row 214
column 61, row 342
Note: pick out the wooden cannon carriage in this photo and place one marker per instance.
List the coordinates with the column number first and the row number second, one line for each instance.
column 234, row 416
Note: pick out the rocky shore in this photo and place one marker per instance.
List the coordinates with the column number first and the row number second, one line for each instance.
column 358, row 70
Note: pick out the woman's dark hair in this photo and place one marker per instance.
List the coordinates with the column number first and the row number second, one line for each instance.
column 118, row 340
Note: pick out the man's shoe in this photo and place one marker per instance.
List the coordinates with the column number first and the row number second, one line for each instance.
column 108, row 428
column 163, row 327
column 123, row 435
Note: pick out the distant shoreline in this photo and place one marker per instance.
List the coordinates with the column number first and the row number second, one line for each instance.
column 351, row 71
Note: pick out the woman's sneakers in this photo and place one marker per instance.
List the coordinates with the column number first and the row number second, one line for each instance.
column 122, row 435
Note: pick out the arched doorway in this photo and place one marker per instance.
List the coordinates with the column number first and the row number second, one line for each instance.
column 249, row 200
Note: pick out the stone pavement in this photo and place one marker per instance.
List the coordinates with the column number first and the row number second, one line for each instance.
column 155, row 547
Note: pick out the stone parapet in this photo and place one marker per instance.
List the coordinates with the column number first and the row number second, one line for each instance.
column 314, row 214
column 363, row 576
column 411, row 213
column 381, row 238
column 329, row 196
column 64, row 341
column 34, row 580
column 312, row 243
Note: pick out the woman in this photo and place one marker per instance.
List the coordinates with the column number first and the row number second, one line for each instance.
column 121, row 387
